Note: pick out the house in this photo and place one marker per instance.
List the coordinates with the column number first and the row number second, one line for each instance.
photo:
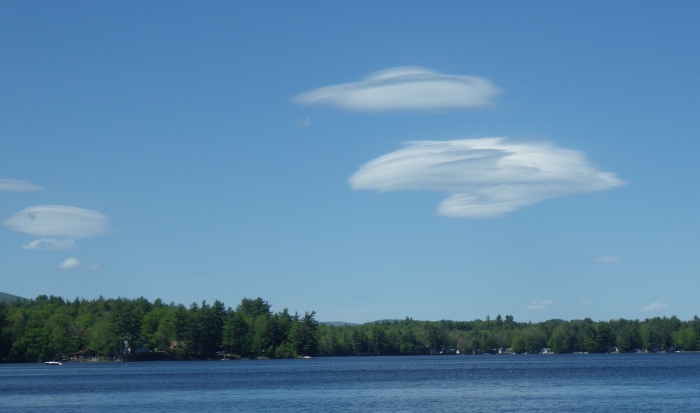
column 85, row 354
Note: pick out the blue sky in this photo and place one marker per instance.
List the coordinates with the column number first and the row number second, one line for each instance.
column 366, row 160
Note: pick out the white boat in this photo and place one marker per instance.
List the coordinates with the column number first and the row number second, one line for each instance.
column 53, row 363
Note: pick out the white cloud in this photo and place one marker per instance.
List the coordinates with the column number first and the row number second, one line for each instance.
column 484, row 177
column 58, row 221
column 538, row 305
column 69, row 263
column 405, row 88
column 653, row 307
column 610, row 258
column 305, row 123
column 51, row 244
column 15, row 185
column 200, row 276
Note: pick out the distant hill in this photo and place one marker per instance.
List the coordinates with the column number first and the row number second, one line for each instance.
column 343, row 323
column 386, row 320
column 9, row 298
column 337, row 323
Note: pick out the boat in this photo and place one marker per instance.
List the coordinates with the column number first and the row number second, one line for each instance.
column 53, row 363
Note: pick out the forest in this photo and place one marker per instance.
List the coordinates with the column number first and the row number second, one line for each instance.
column 51, row 328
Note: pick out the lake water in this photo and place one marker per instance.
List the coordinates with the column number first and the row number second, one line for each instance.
column 534, row 383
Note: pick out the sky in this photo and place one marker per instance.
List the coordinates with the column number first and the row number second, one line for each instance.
column 365, row 160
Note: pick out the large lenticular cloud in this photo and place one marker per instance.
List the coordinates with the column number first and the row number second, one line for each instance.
column 405, row 88
column 484, row 177
column 58, row 221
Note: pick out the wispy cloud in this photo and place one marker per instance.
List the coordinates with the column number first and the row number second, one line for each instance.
column 538, row 305
column 484, row 177
column 608, row 259
column 405, row 88
column 15, row 185
column 58, row 221
column 653, row 307
column 305, row 123
column 50, row 244
column 69, row 263
column 200, row 276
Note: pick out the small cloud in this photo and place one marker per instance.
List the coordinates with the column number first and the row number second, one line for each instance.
column 585, row 303
column 94, row 267
column 200, row 276
column 608, row 259
column 58, row 221
column 15, row 185
column 305, row 123
column 484, row 177
column 50, row 244
column 405, row 88
column 69, row 263
column 538, row 305
column 653, row 307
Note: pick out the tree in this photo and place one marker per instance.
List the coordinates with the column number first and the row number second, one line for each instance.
column 408, row 343
column 5, row 335
column 563, row 339
column 685, row 339
column 303, row 336
column 436, row 338
column 628, row 337
column 253, row 308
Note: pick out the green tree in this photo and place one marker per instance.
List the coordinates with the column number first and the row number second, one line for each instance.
column 563, row 339
column 303, row 336
column 685, row 339
column 628, row 337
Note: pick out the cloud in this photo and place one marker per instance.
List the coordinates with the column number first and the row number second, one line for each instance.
column 15, row 185
column 200, row 276
column 405, row 88
column 608, row 259
column 69, row 263
column 50, row 244
column 58, row 221
column 653, row 307
column 305, row 123
column 484, row 177
column 538, row 305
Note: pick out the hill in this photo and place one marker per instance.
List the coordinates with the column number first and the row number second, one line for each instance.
column 337, row 323
column 9, row 298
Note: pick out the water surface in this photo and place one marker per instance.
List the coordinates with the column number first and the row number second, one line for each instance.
column 535, row 383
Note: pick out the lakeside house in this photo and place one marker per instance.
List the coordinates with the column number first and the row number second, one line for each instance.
column 85, row 355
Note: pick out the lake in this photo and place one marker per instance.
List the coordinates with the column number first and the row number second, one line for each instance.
column 534, row 383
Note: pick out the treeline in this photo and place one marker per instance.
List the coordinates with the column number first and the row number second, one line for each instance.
column 49, row 328
column 489, row 336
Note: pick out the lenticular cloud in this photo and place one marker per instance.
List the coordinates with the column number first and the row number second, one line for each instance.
column 484, row 177
column 405, row 88
column 59, row 221
column 17, row 185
